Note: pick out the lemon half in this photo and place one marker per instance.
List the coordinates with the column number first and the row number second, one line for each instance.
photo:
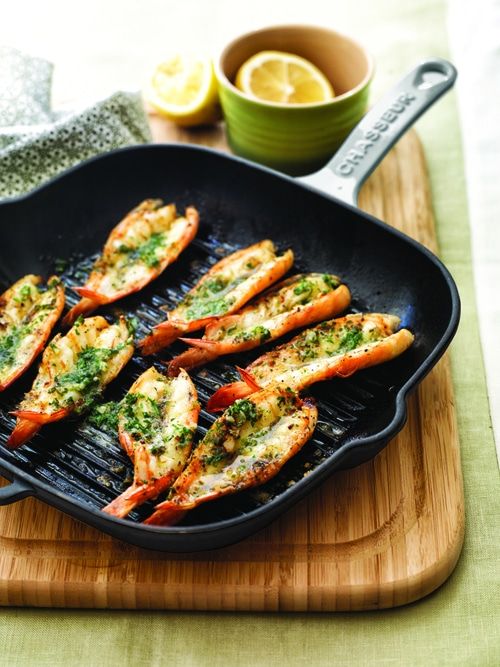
column 283, row 78
column 184, row 90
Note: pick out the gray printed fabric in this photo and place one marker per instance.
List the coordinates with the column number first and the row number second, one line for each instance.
column 37, row 143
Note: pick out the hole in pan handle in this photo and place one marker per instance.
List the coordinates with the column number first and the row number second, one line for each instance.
column 15, row 491
column 380, row 129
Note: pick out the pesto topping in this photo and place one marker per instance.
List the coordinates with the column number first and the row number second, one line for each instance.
column 304, row 287
column 240, row 412
column 142, row 416
column 208, row 298
column 10, row 343
column 142, row 420
column 239, row 439
column 146, row 252
column 84, row 379
column 105, row 416
column 215, row 459
column 259, row 333
column 200, row 309
column 308, row 345
column 323, row 340
column 28, row 298
column 350, row 340
column 330, row 281
column 252, row 440
column 24, row 294
column 314, row 285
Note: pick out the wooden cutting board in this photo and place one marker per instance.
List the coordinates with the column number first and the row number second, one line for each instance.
column 381, row 535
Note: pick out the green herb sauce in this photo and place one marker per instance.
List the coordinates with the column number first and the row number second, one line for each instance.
column 350, row 340
column 330, row 281
column 259, row 332
column 142, row 416
column 85, row 378
column 146, row 252
column 9, row 345
column 105, row 416
column 240, row 412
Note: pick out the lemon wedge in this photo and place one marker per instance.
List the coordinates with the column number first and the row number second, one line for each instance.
column 283, row 78
column 184, row 90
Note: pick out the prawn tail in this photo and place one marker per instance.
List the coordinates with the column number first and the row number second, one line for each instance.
column 248, row 379
column 83, row 307
column 135, row 495
column 41, row 418
column 23, row 431
column 163, row 335
column 87, row 293
column 166, row 514
column 189, row 359
column 227, row 395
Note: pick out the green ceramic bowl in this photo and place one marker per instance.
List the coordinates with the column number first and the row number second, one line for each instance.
column 295, row 138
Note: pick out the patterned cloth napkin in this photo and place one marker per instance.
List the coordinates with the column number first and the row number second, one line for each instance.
column 37, row 143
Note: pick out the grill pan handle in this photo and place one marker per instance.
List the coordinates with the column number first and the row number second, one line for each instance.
column 380, row 129
column 13, row 492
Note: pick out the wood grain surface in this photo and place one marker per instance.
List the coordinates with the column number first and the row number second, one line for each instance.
column 381, row 535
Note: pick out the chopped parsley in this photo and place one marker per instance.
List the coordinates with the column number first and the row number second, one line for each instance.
column 330, row 281
column 287, row 400
column 313, row 342
column 259, row 332
column 142, row 416
column 210, row 297
column 240, row 412
column 146, row 252
column 142, row 420
column 200, row 309
column 212, row 286
column 24, row 294
column 105, row 416
column 10, row 343
column 350, row 340
column 214, row 459
column 85, row 379
column 304, row 287
column 308, row 344
column 183, row 434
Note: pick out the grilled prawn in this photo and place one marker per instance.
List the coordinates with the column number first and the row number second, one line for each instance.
column 296, row 302
column 245, row 447
column 28, row 314
column 156, row 424
column 224, row 289
column 74, row 371
column 338, row 347
column 138, row 249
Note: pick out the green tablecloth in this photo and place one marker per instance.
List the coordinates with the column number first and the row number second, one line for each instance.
column 458, row 624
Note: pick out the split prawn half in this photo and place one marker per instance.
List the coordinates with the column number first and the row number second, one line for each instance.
column 245, row 447
column 224, row 289
column 156, row 425
column 337, row 348
column 73, row 372
column 28, row 313
column 137, row 251
column 296, row 302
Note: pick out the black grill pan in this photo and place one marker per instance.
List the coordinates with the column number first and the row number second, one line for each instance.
column 78, row 469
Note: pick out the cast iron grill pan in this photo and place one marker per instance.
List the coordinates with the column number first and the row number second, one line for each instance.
column 78, row 468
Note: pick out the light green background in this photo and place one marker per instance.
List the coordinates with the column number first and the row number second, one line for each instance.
column 457, row 625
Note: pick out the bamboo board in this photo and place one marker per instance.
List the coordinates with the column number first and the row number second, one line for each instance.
column 381, row 535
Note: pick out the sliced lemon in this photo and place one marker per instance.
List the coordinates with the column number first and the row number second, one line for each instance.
column 184, row 90
column 283, row 78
